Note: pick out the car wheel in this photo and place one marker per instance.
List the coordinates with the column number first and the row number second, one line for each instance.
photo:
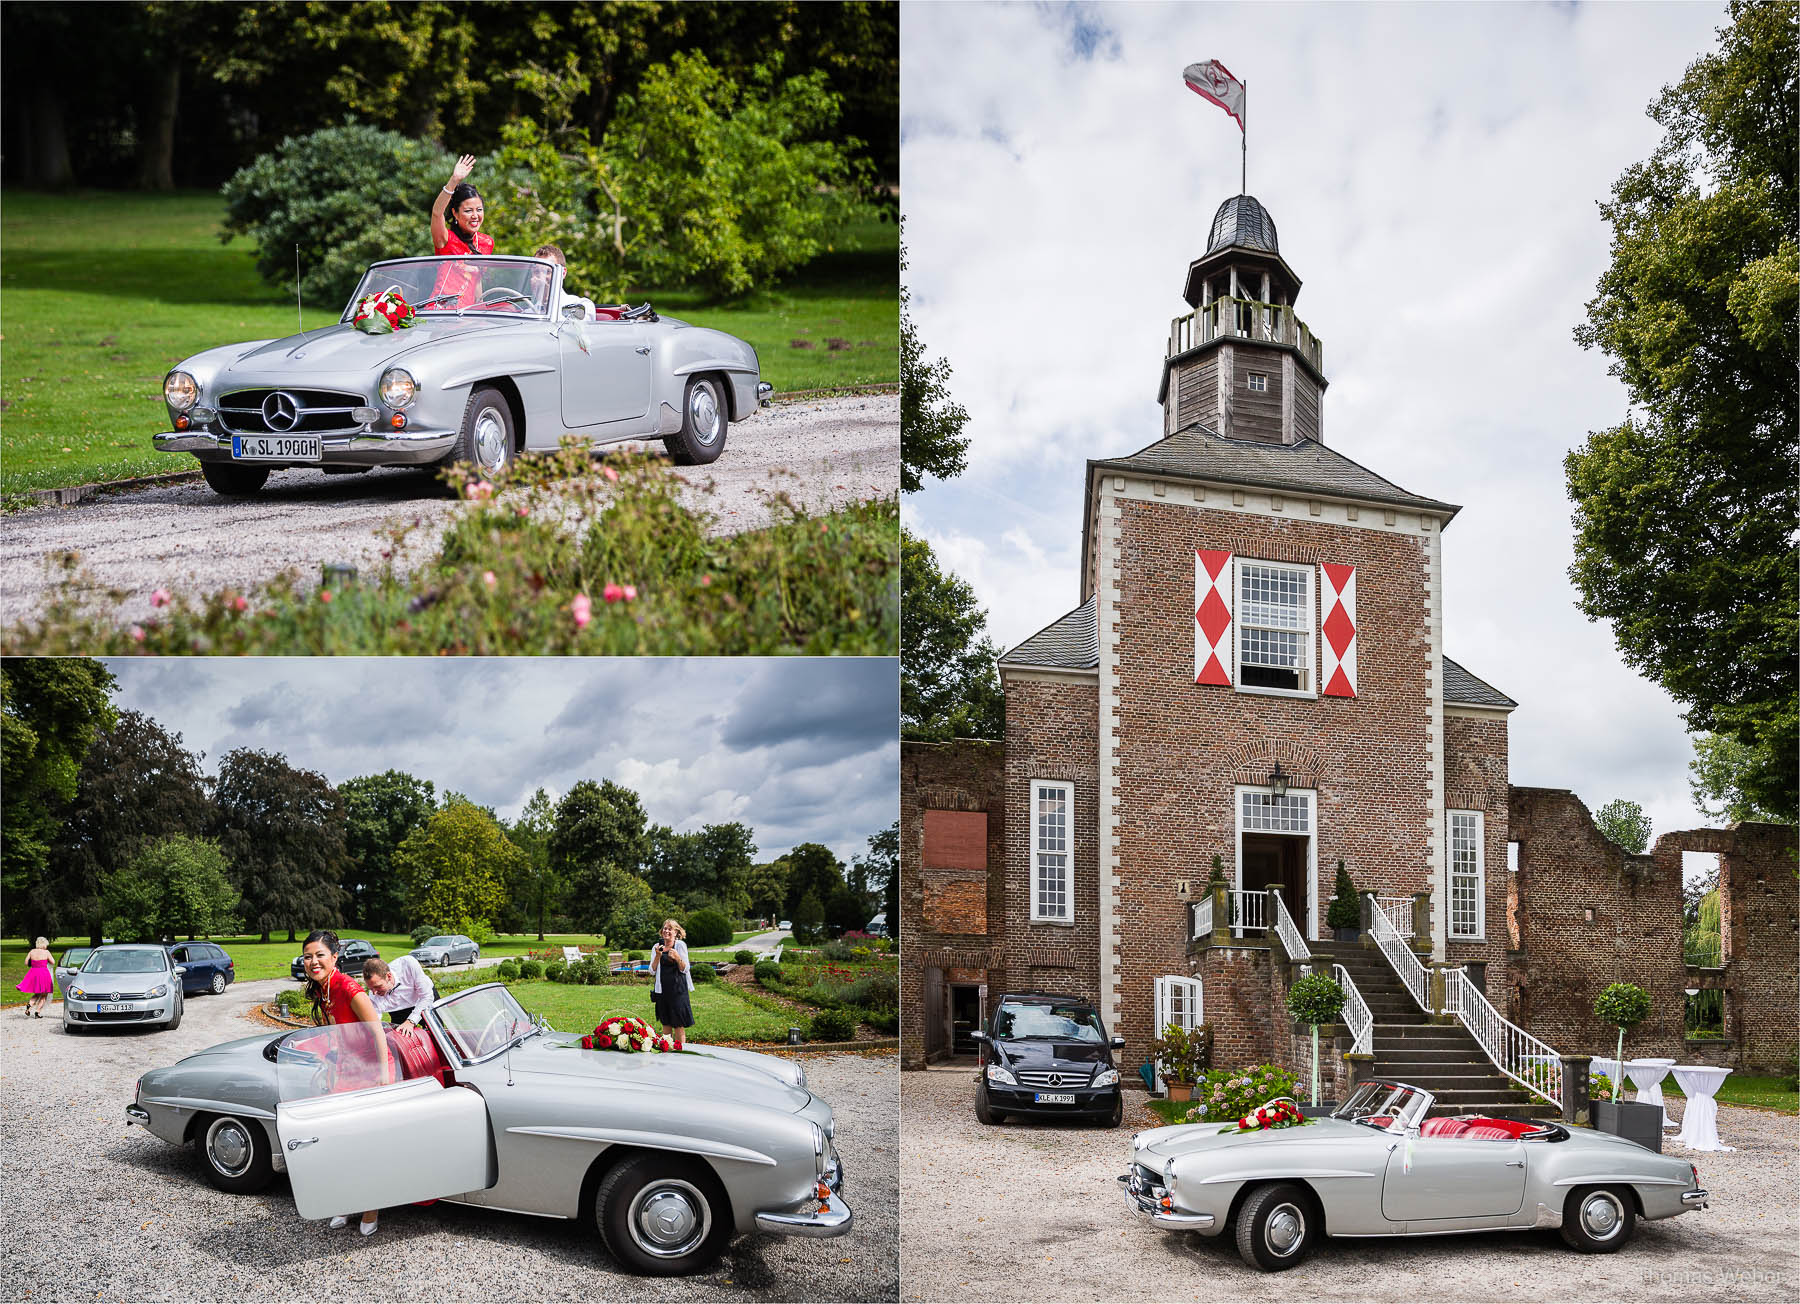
column 1276, row 1227
column 984, row 1113
column 234, row 1152
column 486, row 438
column 175, row 1018
column 663, row 1216
column 1118, row 1112
column 704, row 418
column 218, row 984
column 1598, row 1219
column 73, row 1029
column 233, row 479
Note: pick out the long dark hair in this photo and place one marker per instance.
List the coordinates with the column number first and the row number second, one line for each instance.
column 315, row 991
column 463, row 191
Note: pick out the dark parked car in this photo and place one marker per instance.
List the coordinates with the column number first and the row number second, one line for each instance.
column 209, row 968
column 1049, row 1057
column 352, row 951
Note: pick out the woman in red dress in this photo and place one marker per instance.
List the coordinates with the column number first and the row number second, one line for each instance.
column 338, row 998
column 456, row 218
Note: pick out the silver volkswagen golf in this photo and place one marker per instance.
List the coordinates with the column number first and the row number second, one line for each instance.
column 123, row 984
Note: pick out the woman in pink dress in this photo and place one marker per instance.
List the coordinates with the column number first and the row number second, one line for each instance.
column 38, row 983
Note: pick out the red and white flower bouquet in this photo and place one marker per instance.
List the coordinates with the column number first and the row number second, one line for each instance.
column 1276, row 1114
column 379, row 314
column 623, row 1032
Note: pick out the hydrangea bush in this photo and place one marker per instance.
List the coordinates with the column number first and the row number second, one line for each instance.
column 1233, row 1093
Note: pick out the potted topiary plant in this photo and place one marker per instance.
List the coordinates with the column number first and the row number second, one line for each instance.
column 1344, row 915
column 1315, row 999
column 1181, row 1057
column 1624, row 1005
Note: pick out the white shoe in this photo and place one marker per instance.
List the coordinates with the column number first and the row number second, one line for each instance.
column 368, row 1228
column 339, row 1223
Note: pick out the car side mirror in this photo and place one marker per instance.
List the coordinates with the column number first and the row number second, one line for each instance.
column 574, row 312
column 1118, row 1043
column 180, row 969
column 978, row 1036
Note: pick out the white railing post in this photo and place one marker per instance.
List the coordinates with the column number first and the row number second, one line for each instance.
column 1356, row 1014
column 1203, row 918
column 1513, row 1050
column 1283, row 922
column 1406, row 965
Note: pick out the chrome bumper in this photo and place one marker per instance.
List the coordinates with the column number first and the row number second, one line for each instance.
column 137, row 1114
column 1695, row 1199
column 399, row 448
column 763, row 390
column 832, row 1219
column 1149, row 1203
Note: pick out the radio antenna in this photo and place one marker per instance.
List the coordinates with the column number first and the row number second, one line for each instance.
column 299, row 316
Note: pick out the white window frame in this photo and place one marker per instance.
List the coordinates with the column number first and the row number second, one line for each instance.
column 1480, row 875
column 1067, row 791
column 1251, row 378
column 1310, row 799
column 1192, row 1002
column 1307, row 630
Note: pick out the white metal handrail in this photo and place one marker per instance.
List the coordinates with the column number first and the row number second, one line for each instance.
column 1402, row 916
column 1249, row 910
column 1399, row 955
column 1356, row 1013
column 1514, row 1051
column 1285, row 930
column 1203, row 917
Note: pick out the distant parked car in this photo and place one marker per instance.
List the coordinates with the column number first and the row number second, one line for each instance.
column 784, row 925
column 209, row 968
column 124, row 984
column 1047, row 1057
column 352, row 951
column 449, row 948
column 877, row 927
column 66, row 968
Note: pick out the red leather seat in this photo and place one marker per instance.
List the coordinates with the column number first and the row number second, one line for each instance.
column 418, row 1054
column 607, row 314
column 1444, row 1127
column 1499, row 1129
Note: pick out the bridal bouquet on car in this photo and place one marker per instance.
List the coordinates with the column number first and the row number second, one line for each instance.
column 379, row 314
column 1276, row 1114
column 623, row 1032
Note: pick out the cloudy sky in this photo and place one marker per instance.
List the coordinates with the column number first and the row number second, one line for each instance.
column 1433, row 171
column 800, row 750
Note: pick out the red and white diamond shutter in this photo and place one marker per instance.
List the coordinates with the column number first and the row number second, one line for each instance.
column 1212, row 617
column 1338, row 644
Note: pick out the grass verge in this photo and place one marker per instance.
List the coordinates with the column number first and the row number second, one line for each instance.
column 719, row 1013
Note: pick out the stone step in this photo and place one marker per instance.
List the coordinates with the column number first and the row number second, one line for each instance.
column 1415, row 1032
column 1422, row 1054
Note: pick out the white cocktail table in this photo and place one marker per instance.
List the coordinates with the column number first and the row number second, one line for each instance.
column 1647, row 1076
column 1700, row 1124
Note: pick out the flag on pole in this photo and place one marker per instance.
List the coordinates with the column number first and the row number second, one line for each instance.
column 1212, row 80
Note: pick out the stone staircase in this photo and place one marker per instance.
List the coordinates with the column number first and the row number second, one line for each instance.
column 1441, row 1058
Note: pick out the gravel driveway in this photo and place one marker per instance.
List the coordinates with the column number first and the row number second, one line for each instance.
column 823, row 453
column 1031, row 1211
column 105, row 1211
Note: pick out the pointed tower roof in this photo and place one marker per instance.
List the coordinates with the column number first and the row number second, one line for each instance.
column 1243, row 221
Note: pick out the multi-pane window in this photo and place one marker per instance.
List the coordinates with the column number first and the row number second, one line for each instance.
column 1274, row 626
column 1052, row 851
column 1259, row 383
column 1465, row 874
column 1263, row 812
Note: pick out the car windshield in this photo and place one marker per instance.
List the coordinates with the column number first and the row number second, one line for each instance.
column 498, row 286
column 483, row 1020
column 1384, row 1105
column 1019, row 1022
column 131, row 959
column 439, row 941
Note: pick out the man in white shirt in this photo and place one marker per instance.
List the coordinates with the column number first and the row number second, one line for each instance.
column 402, row 990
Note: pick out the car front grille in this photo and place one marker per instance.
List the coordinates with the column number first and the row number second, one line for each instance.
column 317, row 412
column 1054, row 1078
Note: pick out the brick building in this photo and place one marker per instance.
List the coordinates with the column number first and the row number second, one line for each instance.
column 1254, row 677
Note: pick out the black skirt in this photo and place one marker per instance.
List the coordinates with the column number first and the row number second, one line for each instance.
column 672, row 1007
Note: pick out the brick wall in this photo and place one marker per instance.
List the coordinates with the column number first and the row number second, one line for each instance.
column 1475, row 778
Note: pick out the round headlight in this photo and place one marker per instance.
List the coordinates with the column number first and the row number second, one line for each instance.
column 180, row 391
column 397, row 387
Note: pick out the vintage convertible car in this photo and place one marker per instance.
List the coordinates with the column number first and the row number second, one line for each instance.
column 500, row 360
column 667, row 1156
column 1379, row 1167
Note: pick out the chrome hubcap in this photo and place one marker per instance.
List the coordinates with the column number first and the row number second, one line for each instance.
column 669, row 1218
column 703, row 412
column 229, row 1148
column 218, row 983
column 1601, row 1216
column 490, row 440
column 1286, row 1227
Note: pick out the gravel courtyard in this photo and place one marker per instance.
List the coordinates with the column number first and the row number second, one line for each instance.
column 103, row 1211
column 1031, row 1211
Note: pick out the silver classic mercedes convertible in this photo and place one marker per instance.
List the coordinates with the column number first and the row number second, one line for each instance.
column 500, row 359
column 1380, row 1167
column 666, row 1155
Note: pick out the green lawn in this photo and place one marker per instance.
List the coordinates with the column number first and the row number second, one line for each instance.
column 1739, row 1089
column 719, row 1013
column 103, row 292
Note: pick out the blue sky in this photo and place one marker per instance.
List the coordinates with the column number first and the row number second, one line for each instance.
column 1434, row 172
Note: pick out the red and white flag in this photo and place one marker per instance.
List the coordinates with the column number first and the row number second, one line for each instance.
column 1212, row 80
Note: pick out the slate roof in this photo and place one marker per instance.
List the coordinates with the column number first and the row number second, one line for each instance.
column 1071, row 642
column 1243, row 221
column 1463, row 689
column 1302, row 467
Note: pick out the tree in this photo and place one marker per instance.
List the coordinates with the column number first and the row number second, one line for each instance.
column 138, row 784
column 846, row 909
column 949, row 676
column 879, row 873
column 283, row 831
column 1717, row 776
column 456, row 865
column 808, row 918
column 50, row 711
column 599, row 831
column 637, row 912
column 708, row 927
column 1684, row 512
column 931, row 423
column 535, row 892
column 766, row 886
column 380, row 810
column 1624, row 824
column 172, row 886
column 812, row 868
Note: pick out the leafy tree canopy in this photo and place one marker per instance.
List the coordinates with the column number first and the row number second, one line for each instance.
column 599, row 831
column 456, row 865
column 283, row 831
column 1718, row 777
column 536, row 892
column 812, row 869
column 1684, row 512
column 949, row 679
column 1624, row 824
column 380, row 810
column 172, row 887
column 932, row 442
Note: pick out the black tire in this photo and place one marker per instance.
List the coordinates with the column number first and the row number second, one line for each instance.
column 985, row 1114
column 234, row 479
column 217, row 986
column 663, row 1215
column 1118, row 1112
column 174, row 1019
column 1276, row 1227
column 73, row 1029
column 234, row 1153
column 705, row 417
column 1598, row 1219
column 488, row 432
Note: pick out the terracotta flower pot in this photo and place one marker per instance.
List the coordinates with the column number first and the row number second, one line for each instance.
column 1181, row 1091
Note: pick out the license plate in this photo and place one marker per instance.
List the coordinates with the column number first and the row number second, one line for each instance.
column 1054, row 1098
column 275, row 448
column 116, row 1007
